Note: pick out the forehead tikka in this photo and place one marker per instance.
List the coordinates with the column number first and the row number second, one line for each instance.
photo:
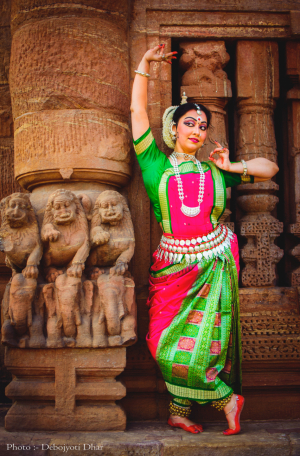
column 199, row 112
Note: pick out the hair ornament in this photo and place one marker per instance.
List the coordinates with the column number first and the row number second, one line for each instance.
column 183, row 98
column 169, row 136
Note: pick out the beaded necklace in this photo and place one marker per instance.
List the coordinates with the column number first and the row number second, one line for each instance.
column 186, row 210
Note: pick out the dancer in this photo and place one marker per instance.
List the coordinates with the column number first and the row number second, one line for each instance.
column 194, row 330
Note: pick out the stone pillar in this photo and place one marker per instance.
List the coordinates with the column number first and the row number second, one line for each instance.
column 293, row 97
column 204, row 81
column 69, row 311
column 69, row 84
column 257, row 89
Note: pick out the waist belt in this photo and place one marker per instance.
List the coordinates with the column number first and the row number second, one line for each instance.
column 194, row 249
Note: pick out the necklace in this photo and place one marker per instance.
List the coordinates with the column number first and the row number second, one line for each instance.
column 185, row 156
column 188, row 211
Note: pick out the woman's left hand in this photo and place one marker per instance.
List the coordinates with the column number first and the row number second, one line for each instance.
column 223, row 161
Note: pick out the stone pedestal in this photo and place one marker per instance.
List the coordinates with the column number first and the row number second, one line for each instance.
column 65, row 389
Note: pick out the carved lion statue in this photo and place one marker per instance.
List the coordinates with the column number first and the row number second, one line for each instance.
column 20, row 240
column 112, row 234
column 19, row 235
column 65, row 235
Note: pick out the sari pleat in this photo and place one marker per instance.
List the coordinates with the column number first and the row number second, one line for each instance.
column 194, row 328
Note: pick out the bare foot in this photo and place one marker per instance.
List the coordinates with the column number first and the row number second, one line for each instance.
column 231, row 409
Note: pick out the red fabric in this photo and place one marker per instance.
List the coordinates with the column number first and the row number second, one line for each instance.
column 183, row 225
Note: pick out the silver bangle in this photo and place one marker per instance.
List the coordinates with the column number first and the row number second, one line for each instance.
column 245, row 167
column 147, row 75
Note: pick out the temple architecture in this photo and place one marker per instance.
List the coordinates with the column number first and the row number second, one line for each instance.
column 77, row 230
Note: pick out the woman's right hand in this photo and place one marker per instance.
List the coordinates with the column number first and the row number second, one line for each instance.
column 157, row 55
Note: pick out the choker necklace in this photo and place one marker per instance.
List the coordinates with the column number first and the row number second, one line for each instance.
column 188, row 211
column 185, row 156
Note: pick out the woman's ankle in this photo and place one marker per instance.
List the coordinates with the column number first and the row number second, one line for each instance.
column 230, row 407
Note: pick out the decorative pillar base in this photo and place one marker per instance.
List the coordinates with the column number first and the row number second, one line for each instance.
column 65, row 389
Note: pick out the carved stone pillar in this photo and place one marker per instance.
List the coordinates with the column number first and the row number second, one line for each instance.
column 257, row 90
column 293, row 96
column 69, row 83
column 69, row 311
column 204, row 81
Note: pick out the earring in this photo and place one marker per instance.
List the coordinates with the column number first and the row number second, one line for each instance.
column 173, row 135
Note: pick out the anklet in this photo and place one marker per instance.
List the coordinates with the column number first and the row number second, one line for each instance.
column 232, row 407
column 219, row 405
column 179, row 411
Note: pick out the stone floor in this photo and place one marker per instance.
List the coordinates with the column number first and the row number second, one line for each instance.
column 264, row 438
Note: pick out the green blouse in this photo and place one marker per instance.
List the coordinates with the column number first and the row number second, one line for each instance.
column 154, row 162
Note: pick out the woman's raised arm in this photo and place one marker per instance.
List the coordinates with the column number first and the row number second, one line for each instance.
column 139, row 116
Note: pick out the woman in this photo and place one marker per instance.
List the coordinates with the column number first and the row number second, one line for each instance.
column 194, row 332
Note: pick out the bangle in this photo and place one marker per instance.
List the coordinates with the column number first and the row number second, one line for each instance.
column 245, row 167
column 147, row 75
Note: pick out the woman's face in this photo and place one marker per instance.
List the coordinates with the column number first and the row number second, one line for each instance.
column 190, row 132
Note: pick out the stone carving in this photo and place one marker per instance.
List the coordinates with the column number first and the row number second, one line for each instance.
column 277, row 348
column 112, row 239
column 270, row 337
column 112, row 234
column 256, row 64
column 65, row 236
column 70, row 310
column 253, row 326
column 114, row 318
column 19, row 239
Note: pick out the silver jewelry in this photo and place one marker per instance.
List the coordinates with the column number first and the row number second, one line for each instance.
column 185, row 156
column 199, row 112
column 163, row 57
column 147, row 75
column 244, row 167
column 186, row 210
column 236, row 399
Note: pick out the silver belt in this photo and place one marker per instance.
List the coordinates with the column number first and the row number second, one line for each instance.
column 195, row 249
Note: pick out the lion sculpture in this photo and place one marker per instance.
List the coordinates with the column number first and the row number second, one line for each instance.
column 112, row 239
column 65, row 236
column 112, row 234
column 20, row 240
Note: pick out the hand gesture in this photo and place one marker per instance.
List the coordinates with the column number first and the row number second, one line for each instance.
column 157, row 54
column 223, row 161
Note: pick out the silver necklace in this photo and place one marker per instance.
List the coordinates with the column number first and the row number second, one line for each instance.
column 188, row 211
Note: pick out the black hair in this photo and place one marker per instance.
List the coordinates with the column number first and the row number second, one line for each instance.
column 184, row 108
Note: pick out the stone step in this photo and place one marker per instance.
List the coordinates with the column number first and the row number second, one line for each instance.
column 258, row 438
